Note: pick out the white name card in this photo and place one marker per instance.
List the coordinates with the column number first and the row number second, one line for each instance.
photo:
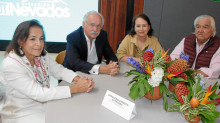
column 119, row 105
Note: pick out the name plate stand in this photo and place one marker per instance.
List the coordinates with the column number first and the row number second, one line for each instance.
column 119, row 105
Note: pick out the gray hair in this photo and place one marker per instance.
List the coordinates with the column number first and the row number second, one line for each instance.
column 90, row 12
column 212, row 20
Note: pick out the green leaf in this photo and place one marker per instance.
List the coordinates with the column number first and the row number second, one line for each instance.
column 165, row 103
column 165, row 91
column 173, row 95
column 185, row 107
column 151, row 92
column 212, row 106
column 205, row 120
column 134, row 94
column 141, row 58
column 200, row 95
column 198, row 87
column 163, row 88
column 147, row 85
column 131, row 82
column 209, row 116
column 214, row 95
column 174, row 107
column 176, row 81
column 134, row 72
column 190, row 77
column 142, row 90
column 139, row 88
column 189, row 72
column 135, row 79
column 215, row 86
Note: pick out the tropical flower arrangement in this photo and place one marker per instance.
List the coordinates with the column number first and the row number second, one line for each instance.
column 196, row 102
column 153, row 71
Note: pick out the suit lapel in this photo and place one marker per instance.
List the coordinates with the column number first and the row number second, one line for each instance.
column 83, row 45
column 98, row 45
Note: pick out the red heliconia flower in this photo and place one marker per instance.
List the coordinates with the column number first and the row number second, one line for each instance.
column 148, row 56
column 174, row 74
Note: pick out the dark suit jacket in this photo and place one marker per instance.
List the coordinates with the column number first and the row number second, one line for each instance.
column 76, row 51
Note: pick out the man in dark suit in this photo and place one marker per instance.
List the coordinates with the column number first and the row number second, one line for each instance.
column 86, row 46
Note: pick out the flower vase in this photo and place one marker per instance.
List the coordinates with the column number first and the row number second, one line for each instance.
column 156, row 94
column 171, row 87
column 196, row 119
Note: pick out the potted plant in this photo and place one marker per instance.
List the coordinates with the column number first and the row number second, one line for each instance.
column 152, row 73
column 196, row 102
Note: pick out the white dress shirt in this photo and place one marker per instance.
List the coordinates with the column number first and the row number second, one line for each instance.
column 92, row 56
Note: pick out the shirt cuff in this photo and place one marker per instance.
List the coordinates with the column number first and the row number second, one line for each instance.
column 95, row 69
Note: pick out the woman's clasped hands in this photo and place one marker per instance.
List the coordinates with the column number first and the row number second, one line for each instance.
column 82, row 84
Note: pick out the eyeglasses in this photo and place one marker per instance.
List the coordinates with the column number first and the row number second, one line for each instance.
column 93, row 25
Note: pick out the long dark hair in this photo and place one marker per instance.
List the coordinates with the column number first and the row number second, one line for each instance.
column 21, row 34
column 145, row 17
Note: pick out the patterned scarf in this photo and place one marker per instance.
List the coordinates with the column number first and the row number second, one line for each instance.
column 40, row 70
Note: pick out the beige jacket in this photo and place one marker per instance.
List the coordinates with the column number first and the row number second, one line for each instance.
column 129, row 46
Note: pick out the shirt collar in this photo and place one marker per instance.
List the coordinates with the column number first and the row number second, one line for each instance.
column 135, row 39
column 87, row 39
column 202, row 44
column 147, row 43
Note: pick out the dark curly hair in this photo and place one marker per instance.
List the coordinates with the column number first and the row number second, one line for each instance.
column 145, row 17
column 21, row 34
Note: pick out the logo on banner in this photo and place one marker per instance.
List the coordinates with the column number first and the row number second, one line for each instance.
column 39, row 8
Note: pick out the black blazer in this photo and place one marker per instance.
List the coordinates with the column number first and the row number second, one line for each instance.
column 76, row 51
